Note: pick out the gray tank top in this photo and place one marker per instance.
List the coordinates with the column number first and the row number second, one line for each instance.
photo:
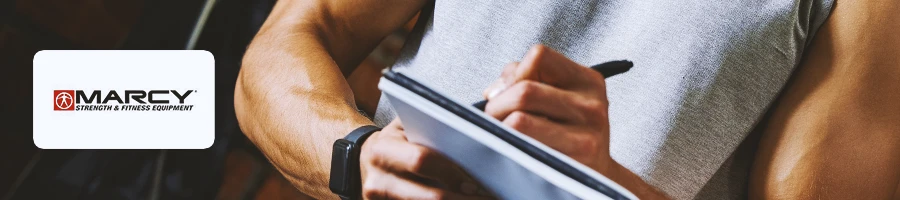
column 705, row 71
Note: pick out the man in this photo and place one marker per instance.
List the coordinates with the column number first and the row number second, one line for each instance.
column 705, row 73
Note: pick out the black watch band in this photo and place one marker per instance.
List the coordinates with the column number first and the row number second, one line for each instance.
column 345, row 178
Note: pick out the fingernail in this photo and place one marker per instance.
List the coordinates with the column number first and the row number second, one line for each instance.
column 496, row 91
column 468, row 188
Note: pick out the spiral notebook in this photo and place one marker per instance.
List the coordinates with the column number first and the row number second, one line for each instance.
column 510, row 164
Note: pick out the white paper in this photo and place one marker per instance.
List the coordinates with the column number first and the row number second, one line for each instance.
column 508, row 172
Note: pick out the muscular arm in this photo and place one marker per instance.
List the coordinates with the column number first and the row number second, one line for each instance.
column 835, row 134
column 292, row 99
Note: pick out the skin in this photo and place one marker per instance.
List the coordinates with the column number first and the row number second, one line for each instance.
column 292, row 100
column 835, row 134
column 562, row 104
column 549, row 97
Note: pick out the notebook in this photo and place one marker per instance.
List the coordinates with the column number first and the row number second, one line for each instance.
column 510, row 164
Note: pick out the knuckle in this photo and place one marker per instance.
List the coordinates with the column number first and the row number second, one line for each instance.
column 372, row 189
column 525, row 92
column 586, row 144
column 437, row 195
column 419, row 156
column 376, row 156
column 375, row 194
column 529, row 88
column 517, row 120
column 370, row 151
column 595, row 106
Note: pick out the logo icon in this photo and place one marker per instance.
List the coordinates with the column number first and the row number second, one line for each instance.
column 63, row 100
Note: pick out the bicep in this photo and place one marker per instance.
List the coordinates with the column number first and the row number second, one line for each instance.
column 310, row 47
column 347, row 30
column 835, row 132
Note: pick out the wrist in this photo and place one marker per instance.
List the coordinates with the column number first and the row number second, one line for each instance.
column 362, row 169
column 346, row 174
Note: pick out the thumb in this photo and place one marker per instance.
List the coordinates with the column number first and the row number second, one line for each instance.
column 503, row 82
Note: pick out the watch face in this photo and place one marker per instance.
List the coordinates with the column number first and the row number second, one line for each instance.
column 341, row 166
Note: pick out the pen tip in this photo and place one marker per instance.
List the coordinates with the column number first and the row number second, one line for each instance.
column 613, row 67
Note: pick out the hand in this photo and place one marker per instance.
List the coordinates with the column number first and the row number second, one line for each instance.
column 557, row 102
column 394, row 168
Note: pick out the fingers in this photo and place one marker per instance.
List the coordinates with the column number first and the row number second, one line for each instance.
column 555, row 101
column 405, row 157
column 565, row 139
column 545, row 65
column 394, row 168
column 392, row 152
column 542, row 99
column 501, row 83
column 391, row 186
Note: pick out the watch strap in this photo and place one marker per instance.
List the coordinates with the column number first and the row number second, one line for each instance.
column 359, row 135
column 345, row 178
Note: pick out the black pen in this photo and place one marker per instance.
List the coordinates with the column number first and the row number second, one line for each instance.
column 608, row 69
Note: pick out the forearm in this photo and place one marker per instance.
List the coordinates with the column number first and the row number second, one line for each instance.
column 299, row 150
column 292, row 99
column 292, row 103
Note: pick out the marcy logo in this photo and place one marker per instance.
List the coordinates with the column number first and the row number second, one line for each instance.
column 129, row 100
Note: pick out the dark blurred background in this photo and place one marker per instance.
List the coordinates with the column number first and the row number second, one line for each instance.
column 231, row 169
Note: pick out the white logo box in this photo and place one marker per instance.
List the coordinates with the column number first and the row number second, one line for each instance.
column 122, row 70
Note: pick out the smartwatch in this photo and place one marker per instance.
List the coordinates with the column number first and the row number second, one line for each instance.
column 345, row 178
